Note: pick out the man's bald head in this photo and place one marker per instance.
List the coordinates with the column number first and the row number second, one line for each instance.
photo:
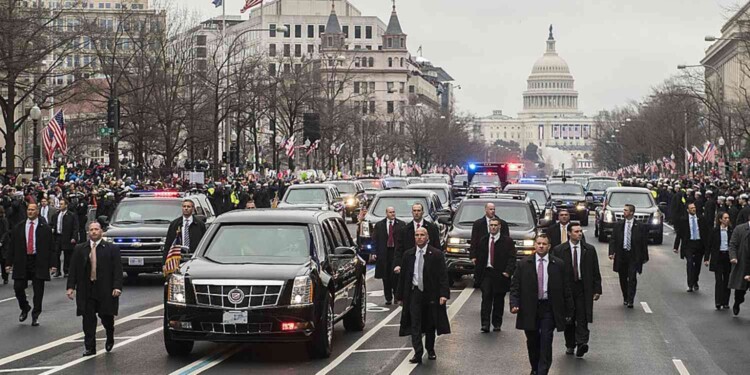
column 390, row 213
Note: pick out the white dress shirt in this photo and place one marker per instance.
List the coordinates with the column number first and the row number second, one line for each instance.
column 96, row 244
column 546, row 274
column 628, row 231
column 577, row 260
column 60, row 221
column 421, row 225
column 44, row 211
column 488, row 223
column 418, row 271
column 26, row 232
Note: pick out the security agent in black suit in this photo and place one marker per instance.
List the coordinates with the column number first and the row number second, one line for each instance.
column 586, row 287
column 717, row 259
column 558, row 232
column 407, row 236
column 481, row 228
column 95, row 282
column 386, row 237
column 495, row 262
column 628, row 248
column 29, row 257
column 692, row 234
column 65, row 231
column 540, row 295
column 423, row 292
column 190, row 237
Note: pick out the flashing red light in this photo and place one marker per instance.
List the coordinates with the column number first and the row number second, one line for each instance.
column 515, row 167
column 290, row 326
column 168, row 194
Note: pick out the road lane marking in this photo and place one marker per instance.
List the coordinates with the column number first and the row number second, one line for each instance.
column 381, row 350
column 358, row 343
column 680, row 367
column 646, row 308
column 370, row 274
column 405, row 368
column 104, row 338
column 7, row 299
column 66, row 340
column 209, row 361
column 102, row 352
column 392, row 325
column 27, row 369
column 150, row 317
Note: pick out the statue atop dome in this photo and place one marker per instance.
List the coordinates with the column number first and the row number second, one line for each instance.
column 550, row 33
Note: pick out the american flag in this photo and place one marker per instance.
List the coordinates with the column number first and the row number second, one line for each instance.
column 290, row 147
column 174, row 255
column 249, row 4
column 57, row 124
column 50, row 144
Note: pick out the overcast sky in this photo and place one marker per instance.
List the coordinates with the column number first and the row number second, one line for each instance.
column 617, row 50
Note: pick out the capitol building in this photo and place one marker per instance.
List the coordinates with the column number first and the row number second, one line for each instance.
column 550, row 117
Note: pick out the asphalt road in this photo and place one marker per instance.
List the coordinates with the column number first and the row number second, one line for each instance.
column 669, row 332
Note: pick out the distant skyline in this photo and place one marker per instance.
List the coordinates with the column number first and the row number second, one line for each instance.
column 616, row 50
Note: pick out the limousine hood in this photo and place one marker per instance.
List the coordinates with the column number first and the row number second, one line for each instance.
column 201, row 268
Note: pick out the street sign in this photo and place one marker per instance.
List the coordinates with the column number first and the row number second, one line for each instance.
column 106, row 131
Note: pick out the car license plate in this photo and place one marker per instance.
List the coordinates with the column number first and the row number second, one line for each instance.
column 235, row 317
column 135, row 261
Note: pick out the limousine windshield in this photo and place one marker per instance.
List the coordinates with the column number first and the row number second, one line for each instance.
column 260, row 244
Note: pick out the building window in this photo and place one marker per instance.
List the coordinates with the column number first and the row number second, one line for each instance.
column 411, row 89
column 357, row 32
column 390, row 88
column 272, row 30
column 287, row 50
column 298, row 31
column 297, row 68
column 287, row 68
column 272, row 50
column 345, row 29
column 321, row 30
column 390, row 62
column 297, row 50
column 371, row 62
column 368, row 32
column 402, row 87
column 311, row 48
column 372, row 106
column 311, row 31
column 372, row 86
column 288, row 32
column 390, row 107
column 356, row 62
column 356, row 87
column 401, row 127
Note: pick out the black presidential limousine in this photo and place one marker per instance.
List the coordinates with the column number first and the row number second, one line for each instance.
column 267, row 276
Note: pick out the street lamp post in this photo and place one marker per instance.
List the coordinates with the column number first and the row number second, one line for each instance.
column 36, row 115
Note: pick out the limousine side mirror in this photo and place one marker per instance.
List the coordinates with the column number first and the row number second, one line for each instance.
column 103, row 221
column 344, row 252
column 445, row 220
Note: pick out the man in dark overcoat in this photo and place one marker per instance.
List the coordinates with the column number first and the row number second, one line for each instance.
column 386, row 238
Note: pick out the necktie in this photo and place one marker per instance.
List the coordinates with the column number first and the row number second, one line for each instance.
column 92, row 257
column 418, row 225
column 693, row 228
column 390, row 234
column 420, row 268
column 540, row 278
column 563, row 233
column 576, row 276
column 30, row 241
column 628, row 232
column 186, row 234
column 492, row 251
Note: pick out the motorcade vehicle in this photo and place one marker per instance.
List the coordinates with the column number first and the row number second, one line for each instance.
column 517, row 210
column 442, row 190
column 460, row 185
column 316, row 196
column 401, row 200
column 436, row 178
column 139, row 224
column 595, row 189
column 545, row 208
column 570, row 196
column 373, row 185
column 414, row 180
column 395, row 183
column 267, row 276
column 354, row 196
column 646, row 211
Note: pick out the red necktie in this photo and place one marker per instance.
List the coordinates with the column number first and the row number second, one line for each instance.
column 492, row 251
column 390, row 234
column 418, row 225
column 30, row 242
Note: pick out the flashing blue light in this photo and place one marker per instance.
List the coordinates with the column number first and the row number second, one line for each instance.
column 369, row 247
column 472, row 166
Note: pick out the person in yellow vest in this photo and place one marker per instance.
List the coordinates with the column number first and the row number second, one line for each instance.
column 62, row 173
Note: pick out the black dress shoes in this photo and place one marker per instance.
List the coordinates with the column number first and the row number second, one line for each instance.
column 24, row 315
column 35, row 321
column 109, row 344
column 416, row 359
column 485, row 329
column 570, row 351
column 726, row 307
column 625, row 303
column 736, row 309
column 388, row 303
column 89, row 352
column 630, row 305
column 582, row 349
column 431, row 355
column 496, row 329
column 690, row 289
column 696, row 287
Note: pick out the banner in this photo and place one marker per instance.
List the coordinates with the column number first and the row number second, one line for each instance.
column 586, row 132
column 541, row 132
column 577, row 132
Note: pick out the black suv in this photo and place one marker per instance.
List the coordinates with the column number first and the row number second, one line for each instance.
column 595, row 189
column 646, row 212
column 267, row 276
column 353, row 193
column 517, row 210
column 139, row 226
column 570, row 196
column 324, row 197
column 540, row 195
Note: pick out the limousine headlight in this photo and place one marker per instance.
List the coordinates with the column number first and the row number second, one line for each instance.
column 457, row 241
column 658, row 217
column 524, row 243
column 302, row 290
column 365, row 229
column 609, row 216
column 176, row 289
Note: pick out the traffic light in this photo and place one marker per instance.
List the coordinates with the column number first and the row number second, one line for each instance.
column 113, row 113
